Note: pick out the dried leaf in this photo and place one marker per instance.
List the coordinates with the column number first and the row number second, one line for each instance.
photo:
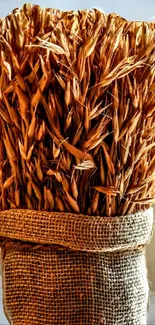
column 107, row 190
column 22, row 152
column 108, row 160
column 85, row 165
column 48, row 45
column 72, row 202
column 8, row 182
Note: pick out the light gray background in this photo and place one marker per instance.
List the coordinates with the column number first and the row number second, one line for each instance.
column 129, row 9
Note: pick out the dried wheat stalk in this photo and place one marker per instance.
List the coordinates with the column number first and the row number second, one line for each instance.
column 77, row 112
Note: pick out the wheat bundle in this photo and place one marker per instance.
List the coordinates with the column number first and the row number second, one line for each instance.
column 77, row 122
column 77, row 112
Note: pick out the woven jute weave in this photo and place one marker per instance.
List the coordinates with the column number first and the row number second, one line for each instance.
column 65, row 269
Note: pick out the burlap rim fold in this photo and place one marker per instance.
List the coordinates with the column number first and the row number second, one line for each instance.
column 78, row 232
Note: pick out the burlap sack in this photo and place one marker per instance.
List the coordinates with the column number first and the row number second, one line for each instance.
column 77, row 270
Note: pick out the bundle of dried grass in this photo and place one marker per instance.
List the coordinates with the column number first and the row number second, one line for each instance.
column 77, row 112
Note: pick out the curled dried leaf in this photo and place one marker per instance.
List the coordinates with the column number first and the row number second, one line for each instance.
column 85, row 165
column 48, row 45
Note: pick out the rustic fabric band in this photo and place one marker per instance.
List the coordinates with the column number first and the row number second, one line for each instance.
column 78, row 232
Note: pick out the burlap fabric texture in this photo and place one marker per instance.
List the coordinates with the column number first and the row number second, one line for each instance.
column 66, row 269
